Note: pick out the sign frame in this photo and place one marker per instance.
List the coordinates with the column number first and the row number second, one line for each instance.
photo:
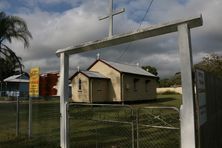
column 34, row 82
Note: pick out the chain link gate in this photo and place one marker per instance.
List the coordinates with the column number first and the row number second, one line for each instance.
column 101, row 126
column 158, row 127
column 121, row 126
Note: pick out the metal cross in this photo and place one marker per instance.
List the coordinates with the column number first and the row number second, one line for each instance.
column 110, row 16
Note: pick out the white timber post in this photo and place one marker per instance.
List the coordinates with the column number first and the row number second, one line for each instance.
column 187, row 108
column 64, row 99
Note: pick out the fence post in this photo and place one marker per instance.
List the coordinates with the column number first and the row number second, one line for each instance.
column 137, row 128
column 187, row 108
column 30, row 118
column 67, row 124
column 96, row 136
column 64, row 99
column 17, row 115
column 133, row 141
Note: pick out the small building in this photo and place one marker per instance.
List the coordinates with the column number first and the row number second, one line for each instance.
column 48, row 84
column 17, row 85
column 106, row 81
column 91, row 86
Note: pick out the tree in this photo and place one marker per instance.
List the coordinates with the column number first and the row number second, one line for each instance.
column 151, row 69
column 9, row 66
column 211, row 63
column 165, row 82
column 11, row 27
column 174, row 80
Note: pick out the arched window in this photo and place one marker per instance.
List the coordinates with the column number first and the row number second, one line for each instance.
column 80, row 84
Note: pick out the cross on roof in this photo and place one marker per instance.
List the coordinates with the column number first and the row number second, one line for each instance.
column 110, row 16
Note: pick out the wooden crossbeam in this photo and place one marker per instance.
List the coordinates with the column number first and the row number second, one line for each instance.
column 146, row 32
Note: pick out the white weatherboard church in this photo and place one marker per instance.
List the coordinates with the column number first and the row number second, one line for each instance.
column 106, row 81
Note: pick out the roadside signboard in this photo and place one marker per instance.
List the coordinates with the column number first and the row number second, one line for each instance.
column 34, row 82
column 201, row 95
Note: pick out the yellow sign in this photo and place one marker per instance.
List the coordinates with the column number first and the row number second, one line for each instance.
column 34, row 82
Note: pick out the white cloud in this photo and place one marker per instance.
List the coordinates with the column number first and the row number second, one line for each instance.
column 52, row 31
column 166, row 64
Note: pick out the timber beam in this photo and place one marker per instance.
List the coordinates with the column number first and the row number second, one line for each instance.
column 143, row 33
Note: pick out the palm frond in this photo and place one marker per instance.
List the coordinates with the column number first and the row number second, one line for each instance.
column 11, row 27
column 14, row 27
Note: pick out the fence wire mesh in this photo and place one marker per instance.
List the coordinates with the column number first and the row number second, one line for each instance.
column 122, row 126
column 7, row 121
column 45, row 124
column 158, row 127
column 101, row 126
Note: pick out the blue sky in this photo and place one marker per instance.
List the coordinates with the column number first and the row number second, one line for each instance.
column 61, row 6
column 15, row 6
column 58, row 24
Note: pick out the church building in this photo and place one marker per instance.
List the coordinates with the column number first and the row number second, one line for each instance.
column 106, row 81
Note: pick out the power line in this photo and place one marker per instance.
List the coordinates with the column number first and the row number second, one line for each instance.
column 129, row 44
column 148, row 9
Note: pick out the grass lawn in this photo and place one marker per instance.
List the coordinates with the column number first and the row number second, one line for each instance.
column 83, row 132
column 169, row 100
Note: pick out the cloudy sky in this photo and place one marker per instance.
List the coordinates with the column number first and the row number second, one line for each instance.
column 57, row 24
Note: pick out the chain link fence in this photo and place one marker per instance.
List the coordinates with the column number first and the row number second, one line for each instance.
column 101, row 126
column 121, row 126
column 91, row 125
column 7, row 121
column 45, row 124
column 158, row 127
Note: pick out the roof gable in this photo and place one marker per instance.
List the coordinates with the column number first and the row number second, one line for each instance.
column 90, row 74
column 94, row 74
column 17, row 78
column 124, row 68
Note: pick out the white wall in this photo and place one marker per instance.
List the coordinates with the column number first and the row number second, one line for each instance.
column 173, row 89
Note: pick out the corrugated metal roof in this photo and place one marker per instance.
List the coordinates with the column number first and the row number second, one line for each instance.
column 129, row 68
column 16, row 78
column 93, row 74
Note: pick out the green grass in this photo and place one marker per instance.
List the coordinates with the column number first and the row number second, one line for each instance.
column 45, row 125
column 169, row 100
column 85, row 130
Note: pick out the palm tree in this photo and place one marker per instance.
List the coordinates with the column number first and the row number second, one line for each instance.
column 10, row 65
column 11, row 27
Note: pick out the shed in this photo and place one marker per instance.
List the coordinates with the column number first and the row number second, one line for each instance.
column 91, row 87
column 17, row 85
column 48, row 85
column 106, row 81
